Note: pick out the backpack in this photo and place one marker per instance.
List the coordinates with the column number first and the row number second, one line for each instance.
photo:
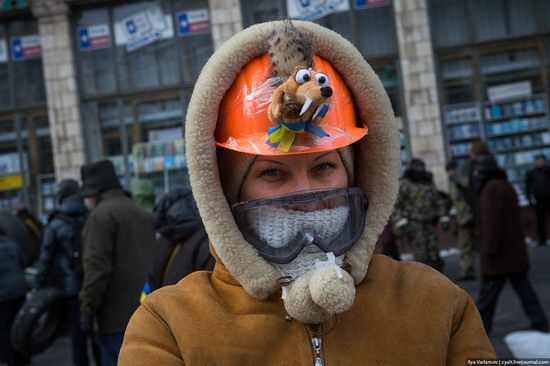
column 74, row 250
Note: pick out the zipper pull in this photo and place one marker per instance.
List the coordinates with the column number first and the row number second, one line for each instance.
column 316, row 343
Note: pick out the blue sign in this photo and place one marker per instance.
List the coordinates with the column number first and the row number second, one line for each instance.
column 94, row 37
column 131, row 27
column 17, row 49
column 26, row 47
column 143, row 28
column 193, row 22
column 84, row 38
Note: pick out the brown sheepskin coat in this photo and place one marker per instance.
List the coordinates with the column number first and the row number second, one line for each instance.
column 393, row 321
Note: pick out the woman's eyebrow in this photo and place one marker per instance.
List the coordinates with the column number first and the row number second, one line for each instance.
column 323, row 155
column 268, row 161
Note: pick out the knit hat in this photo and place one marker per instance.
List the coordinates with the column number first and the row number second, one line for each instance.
column 98, row 177
column 65, row 188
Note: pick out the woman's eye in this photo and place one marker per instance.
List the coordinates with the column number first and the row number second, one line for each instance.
column 271, row 173
column 325, row 166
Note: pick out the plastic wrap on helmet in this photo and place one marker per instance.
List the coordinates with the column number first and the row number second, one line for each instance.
column 244, row 125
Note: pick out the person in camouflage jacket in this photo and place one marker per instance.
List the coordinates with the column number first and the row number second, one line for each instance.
column 417, row 211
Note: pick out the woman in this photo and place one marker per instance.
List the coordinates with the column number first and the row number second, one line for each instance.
column 284, row 201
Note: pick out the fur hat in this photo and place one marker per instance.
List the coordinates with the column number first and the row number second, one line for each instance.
column 216, row 175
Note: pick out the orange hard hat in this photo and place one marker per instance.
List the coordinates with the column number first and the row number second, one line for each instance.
column 243, row 121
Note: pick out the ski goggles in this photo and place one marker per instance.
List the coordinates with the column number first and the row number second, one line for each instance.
column 281, row 227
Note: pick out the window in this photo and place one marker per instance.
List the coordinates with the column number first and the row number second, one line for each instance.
column 450, row 26
column 511, row 66
column 262, row 11
column 150, row 66
column 457, row 78
column 113, row 67
column 96, row 64
column 376, row 32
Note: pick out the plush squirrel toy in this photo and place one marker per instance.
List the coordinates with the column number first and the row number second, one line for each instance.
column 298, row 104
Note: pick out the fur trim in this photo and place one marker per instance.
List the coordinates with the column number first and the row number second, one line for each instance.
column 376, row 155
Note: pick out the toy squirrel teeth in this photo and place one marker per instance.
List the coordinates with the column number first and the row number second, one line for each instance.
column 306, row 106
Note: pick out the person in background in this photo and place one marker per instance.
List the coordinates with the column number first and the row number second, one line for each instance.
column 502, row 251
column 12, row 295
column 290, row 224
column 118, row 240
column 418, row 210
column 143, row 193
column 458, row 187
column 60, row 262
column 537, row 190
column 182, row 244
column 35, row 229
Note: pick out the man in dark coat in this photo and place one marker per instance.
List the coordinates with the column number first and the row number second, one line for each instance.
column 60, row 263
column 537, row 186
column 502, row 250
column 118, row 241
column 182, row 246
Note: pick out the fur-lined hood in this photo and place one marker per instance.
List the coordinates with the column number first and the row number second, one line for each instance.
column 377, row 158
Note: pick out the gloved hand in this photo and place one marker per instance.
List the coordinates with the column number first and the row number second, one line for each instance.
column 445, row 223
column 87, row 323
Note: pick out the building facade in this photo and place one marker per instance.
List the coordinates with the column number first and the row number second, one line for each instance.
column 88, row 79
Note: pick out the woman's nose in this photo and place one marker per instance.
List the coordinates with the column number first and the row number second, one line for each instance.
column 302, row 182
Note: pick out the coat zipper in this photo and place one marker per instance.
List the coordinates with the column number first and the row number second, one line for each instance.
column 316, row 343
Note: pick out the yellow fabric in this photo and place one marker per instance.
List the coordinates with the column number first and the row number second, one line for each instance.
column 404, row 314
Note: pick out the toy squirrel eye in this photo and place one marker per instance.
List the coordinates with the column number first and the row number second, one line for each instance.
column 303, row 76
column 322, row 79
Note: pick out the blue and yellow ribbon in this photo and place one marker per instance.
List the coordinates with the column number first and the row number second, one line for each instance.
column 146, row 291
column 282, row 136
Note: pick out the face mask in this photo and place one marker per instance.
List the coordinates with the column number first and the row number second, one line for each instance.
column 281, row 228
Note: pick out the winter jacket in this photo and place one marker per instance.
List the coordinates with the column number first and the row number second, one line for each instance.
column 537, row 183
column 118, row 240
column 500, row 236
column 403, row 324
column 182, row 246
column 235, row 315
column 12, row 277
column 58, row 266
column 418, row 200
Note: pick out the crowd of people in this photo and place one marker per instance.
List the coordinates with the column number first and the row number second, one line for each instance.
column 488, row 224
column 99, row 250
column 294, row 175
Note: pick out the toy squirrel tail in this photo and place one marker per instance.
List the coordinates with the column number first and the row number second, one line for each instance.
column 288, row 48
